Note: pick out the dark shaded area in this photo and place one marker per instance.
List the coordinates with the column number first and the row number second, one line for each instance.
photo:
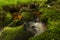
column 24, row 35
column 2, row 18
column 19, row 23
column 51, row 2
column 11, row 9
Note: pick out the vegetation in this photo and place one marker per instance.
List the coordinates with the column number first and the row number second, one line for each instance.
column 13, row 29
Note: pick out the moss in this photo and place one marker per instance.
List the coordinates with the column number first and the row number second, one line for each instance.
column 15, row 33
column 27, row 15
column 7, row 18
column 50, row 15
column 9, row 33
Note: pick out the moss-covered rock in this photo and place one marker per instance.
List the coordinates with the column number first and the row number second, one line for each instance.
column 27, row 16
column 15, row 33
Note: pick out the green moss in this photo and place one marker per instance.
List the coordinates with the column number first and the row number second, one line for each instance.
column 50, row 15
column 14, row 33
column 7, row 18
column 10, row 2
column 27, row 15
column 10, row 33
